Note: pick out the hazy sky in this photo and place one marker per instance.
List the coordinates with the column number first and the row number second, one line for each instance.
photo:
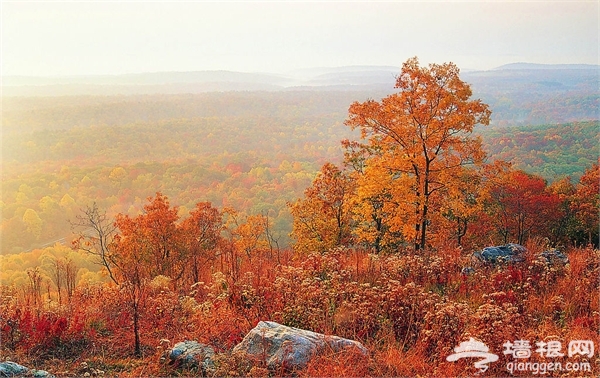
column 68, row 38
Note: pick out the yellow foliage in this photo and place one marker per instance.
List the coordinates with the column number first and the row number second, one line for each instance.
column 420, row 138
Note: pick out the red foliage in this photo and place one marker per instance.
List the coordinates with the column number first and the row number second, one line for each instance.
column 521, row 206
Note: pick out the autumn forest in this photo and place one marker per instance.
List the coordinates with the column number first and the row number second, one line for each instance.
column 132, row 222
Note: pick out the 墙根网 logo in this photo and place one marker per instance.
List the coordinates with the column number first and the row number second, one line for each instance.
column 474, row 349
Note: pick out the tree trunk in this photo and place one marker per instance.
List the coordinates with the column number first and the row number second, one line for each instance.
column 417, row 227
column 424, row 214
column 461, row 231
column 136, row 327
column 423, row 228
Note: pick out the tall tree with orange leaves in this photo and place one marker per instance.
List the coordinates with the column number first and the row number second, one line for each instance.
column 148, row 245
column 587, row 202
column 202, row 238
column 462, row 206
column 157, row 237
column 421, row 136
column 322, row 219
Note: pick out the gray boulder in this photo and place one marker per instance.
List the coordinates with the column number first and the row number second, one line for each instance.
column 288, row 347
column 509, row 253
column 554, row 256
column 192, row 354
column 12, row 369
column 40, row 374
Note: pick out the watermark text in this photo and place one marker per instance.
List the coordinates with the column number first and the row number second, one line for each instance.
column 541, row 368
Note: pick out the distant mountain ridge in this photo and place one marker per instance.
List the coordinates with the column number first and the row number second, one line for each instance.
column 149, row 78
column 338, row 78
column 311, row 75
column 322, row 78
column 518, row 93
column 538, row 66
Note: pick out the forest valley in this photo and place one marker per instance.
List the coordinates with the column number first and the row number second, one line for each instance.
column 379, row 246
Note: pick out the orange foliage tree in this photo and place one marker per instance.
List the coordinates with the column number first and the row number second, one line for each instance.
column 135, row 251
column 148, row 245
column 202, row 238
column 322, row 219
column 463, row 204
column 421, row 137
column 587, row 202
column 157, row 238
column 562, row 228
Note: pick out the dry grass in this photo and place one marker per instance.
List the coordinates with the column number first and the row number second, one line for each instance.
column 409, row 311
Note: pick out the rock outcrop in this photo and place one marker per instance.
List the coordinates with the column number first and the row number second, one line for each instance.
column 12, row 369
column 288, row 347
column 192, row 354
column 509, row 253
column 515, row 253
column 554, row 256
